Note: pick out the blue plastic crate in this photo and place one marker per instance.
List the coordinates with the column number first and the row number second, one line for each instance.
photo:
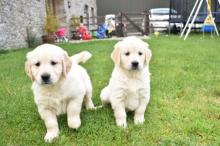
column 208, row 28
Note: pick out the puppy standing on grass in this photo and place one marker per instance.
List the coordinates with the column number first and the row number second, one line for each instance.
column 60, row 86
column 129, row 86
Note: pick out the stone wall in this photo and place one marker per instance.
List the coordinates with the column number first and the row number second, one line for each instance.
column 15, row 17
column 77, row 8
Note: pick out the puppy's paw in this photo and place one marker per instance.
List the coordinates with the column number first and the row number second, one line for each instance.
column 121, row 123
column 138, row 119
column 74, row 122
column 51, row 135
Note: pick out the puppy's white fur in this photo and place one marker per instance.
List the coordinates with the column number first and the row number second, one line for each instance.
column 69, row 85
column 129, row 88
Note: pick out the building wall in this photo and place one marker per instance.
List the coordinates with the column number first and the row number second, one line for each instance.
column 116, row 6
column 65, row 9
column 18, row 15
column 77, row 8
column 15, row 17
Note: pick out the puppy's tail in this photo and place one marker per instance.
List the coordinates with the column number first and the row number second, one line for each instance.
column 81, row 57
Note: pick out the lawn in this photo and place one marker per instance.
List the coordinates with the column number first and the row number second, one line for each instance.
column 184, row 107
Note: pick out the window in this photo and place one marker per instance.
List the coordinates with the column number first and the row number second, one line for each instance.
column 81, row 19
column 86, row 12
column 86, row 8
column 93, row 15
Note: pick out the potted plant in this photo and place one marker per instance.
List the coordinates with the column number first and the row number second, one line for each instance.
column 74, row 24
column 51, row 25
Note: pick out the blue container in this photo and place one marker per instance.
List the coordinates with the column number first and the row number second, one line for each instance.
column 208, row 28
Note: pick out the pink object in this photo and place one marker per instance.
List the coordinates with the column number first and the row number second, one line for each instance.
column 61, row 32
column 61, row 35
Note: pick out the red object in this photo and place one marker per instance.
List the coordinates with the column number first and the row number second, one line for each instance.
column 84, row 33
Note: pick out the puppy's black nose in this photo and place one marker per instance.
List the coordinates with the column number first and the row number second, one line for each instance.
column 45, row 78
column 134, row 64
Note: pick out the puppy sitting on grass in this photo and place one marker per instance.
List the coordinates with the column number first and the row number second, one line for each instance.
column 129, row 86
column 60, row 86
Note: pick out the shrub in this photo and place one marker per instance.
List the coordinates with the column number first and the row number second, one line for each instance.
column 32, row 40
column 51, row 24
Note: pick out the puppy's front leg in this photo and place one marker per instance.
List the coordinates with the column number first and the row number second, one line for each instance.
column 120, row 115
column 73, row 113
column 117, row 102
column 139, row 112
column 50, row 120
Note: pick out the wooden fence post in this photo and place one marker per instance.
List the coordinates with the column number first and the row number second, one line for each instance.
column 120, row 19
column 120, row 27
column 146, row 23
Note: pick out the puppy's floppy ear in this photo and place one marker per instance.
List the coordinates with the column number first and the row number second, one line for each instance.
column 66, row 63
column 116, row 53
column 148, row 54
column 28, row 68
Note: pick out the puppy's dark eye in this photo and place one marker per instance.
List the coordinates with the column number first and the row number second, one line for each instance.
column 53, row 63
column 127, row 53
column 37, row 64
column 140, row 53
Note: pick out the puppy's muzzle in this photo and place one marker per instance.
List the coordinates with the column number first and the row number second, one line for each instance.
column 45, row 78
column 134, row 65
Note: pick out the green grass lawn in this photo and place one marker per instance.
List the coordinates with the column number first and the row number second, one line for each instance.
column 184, row 107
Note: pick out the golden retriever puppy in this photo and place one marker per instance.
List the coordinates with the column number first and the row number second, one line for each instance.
column 59, row 86
column 129, row 86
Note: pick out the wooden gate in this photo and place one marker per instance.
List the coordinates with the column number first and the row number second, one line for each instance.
column 135, row 23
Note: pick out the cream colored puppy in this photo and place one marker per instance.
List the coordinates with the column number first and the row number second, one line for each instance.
column 60, row 86
column 129, row 86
